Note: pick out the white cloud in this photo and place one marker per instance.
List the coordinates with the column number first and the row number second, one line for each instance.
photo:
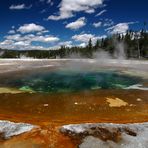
column 82, row 45
column 15, row 37
column 120, row 28
column 27, row 28
column 90, row 11
column 6, row 42
column 77, row 24
column 32, row 38
column 66, row 43
column 98, row 24
column 83, row 37
column 86, row 37
column 11, row 32
column 47, row 1
column 50, row 2
column 42, row 32
column 19, row 7
column 102, row 12
column 69, row 7
column 45, row 39
column 108, row 22
column 25, row 41
column 22, row 43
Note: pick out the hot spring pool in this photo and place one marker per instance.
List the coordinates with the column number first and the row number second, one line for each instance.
column 65, row 81
column 76, row 91
column 53, row 93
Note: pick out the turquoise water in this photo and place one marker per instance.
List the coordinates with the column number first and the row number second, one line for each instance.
column 52, row 82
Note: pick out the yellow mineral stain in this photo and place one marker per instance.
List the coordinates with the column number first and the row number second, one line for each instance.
column 116, row 102
column 5, row 90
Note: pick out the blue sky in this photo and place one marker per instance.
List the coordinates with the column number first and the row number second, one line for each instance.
column 48, row 24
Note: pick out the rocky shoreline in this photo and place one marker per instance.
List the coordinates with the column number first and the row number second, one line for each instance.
column 94, row 135
column 107, row 135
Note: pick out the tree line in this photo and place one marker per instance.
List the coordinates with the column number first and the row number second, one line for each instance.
column 135, row 46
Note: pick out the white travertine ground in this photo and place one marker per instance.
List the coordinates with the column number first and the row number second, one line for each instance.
column 127, row 140
column 9, row 129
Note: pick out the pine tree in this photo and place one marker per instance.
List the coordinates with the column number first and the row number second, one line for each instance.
column 97, row 44
column 90, row 44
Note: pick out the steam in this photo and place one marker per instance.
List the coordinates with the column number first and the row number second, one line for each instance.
column 102, row 55
column 119, row 50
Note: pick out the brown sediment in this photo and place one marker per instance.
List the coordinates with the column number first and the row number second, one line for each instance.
column 2, row 137
column 43, row 137
column 69, row 108
column 75, row 107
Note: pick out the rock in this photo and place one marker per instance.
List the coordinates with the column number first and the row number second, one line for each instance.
column 107, row 135
column 9, row 129
column 139, row 100
column 92, row 142
column 46, row 105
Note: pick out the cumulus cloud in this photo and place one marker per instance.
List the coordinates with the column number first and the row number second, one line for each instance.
column 27, row 28
column 77, row 24
column 98, row 24
column 21, row 46
column 19, row 7
column 6, row 42
column 13, row 37
column 45, row 39
column 67, row 8
column 25, row 42
column 66, row 44
column 86, row 37
column 22, row 41
column 100, row 13
column 120, row 28
column 32, row 38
